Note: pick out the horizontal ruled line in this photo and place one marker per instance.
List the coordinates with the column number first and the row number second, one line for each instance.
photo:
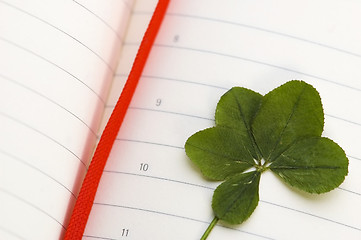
column 53, row 64
column 267, row 202
column 11, row 233
column 312, row 215
column 212, row 86
column 60, row 30
column 346, row 190
column 257, row 29
column 151, row 211
column 95, row 237
column 43, row 134
column 159, row 178
column 120, row 38
column 175, row 80
column 266, row 31
column 170, row 112
column 188, row 183
column 244, row 59
column 15, row 158
column 356, row 158
column 145, row 142
column 181, row 217
column 164, row 111
column 212, row 119
column 48, row 99
column 185, row 81
column 32, row 205
column 343, row 119
column 256, row 62
column 193, row 184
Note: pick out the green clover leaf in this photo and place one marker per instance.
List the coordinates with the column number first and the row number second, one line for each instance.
column 280, row 131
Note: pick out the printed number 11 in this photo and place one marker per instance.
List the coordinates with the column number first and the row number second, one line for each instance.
column 125, row 232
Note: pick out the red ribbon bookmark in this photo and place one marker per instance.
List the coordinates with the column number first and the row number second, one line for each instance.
column 90, row 184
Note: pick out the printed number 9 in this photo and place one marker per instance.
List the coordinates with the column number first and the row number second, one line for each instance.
column 158, row 102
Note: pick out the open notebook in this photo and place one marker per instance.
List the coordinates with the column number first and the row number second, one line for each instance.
column 59, row 81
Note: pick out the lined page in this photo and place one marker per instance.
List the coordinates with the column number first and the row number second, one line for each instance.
column 150, row 190
column 57, row 59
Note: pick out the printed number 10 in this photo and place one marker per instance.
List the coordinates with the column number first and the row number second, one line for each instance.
column 144, row 167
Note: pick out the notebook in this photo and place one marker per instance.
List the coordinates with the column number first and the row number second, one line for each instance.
column 63, row 65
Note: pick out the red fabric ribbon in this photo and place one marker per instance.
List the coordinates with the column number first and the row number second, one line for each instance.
column 84, row 203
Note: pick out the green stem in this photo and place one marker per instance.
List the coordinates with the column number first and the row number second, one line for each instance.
column 209, row 229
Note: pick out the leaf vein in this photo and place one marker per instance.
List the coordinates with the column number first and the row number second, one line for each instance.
column 218, row 154
column 288, row 121
column 305, row 167
column 248, row 128
column 238, row 196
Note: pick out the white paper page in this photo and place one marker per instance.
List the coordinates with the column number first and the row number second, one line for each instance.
column 57, row 59
column 150, row 190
